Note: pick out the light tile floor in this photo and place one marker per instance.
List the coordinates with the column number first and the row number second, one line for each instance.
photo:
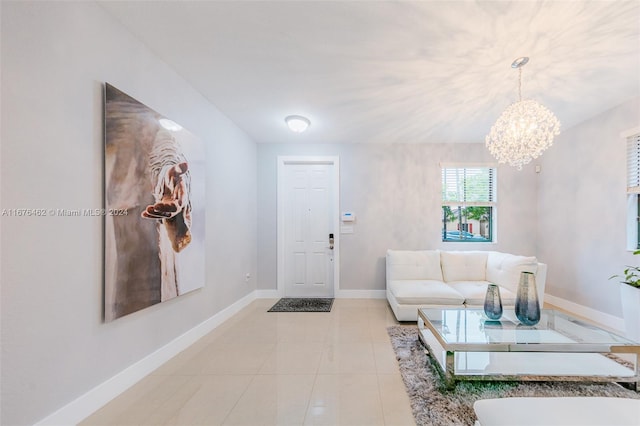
column 261, row 368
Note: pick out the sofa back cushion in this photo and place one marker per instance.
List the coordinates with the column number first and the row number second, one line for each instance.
column 504, row 269
column 463, row 265
column 413, row 265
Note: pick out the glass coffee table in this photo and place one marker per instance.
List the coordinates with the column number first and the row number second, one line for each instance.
column 468, row 346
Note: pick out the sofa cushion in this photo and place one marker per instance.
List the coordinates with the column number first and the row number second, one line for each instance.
column 474, row 292
column 504, row 269
column 424, row 292
column 413, row 265
column 463, row 266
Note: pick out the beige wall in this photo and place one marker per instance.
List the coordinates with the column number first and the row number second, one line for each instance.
column 582, row 209
column 395, row 192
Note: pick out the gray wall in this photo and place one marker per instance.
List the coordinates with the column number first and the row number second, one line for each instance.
column 55, row 346
column 395, row 192
column 582, row 209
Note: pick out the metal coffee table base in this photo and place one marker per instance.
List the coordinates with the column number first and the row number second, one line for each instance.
column 447, row 368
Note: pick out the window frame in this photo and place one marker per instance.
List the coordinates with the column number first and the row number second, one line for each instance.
column 457, row 193
column 632, row 141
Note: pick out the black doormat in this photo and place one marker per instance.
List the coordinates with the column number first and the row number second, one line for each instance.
column 294, row 304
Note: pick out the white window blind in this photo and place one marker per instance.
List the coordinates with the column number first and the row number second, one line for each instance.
column 468, row 185
column 633, row 164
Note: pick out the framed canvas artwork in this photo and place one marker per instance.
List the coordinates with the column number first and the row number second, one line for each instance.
column 154, row 207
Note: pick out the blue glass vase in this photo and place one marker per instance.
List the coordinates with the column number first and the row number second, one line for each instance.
column 527, row 304
column 493, row 302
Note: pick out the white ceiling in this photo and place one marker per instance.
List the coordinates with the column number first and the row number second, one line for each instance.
column 384, row 72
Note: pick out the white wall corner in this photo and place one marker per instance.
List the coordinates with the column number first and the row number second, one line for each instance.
column 609, row 321
column 87, row 404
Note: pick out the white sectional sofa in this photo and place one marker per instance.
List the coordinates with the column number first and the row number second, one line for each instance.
column 434, row 278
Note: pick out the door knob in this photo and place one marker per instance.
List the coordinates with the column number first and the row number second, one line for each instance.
column 331, row 241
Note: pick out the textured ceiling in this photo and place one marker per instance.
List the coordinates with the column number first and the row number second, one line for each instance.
column 384, row 72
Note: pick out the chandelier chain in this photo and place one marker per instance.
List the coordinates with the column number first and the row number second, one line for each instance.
column 520, row 84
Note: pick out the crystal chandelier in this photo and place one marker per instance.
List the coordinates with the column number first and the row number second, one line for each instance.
column 524, row 130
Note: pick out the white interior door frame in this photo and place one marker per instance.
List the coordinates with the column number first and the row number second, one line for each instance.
column 283, row 161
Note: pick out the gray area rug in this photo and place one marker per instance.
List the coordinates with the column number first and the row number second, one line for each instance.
column 432, row 404
column 291, row 304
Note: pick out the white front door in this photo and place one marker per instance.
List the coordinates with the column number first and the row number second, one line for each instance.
column 307, row 236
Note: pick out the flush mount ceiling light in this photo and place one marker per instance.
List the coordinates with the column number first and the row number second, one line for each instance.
column 524, row 130
column 297, row 123
column 169, row 124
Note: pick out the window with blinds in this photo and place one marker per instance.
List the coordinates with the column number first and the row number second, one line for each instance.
column 468, row 203
column 633, row 164
column 633, row 191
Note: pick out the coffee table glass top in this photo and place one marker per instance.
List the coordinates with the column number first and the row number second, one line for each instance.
column 469, row 329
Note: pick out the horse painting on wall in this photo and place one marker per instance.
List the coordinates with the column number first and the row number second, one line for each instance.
column 154, row 215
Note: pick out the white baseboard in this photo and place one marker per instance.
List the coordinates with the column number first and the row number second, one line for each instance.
column 85, row 405
column 361, row 294
column 341, row 294
column 267, row 294
column 609, row 321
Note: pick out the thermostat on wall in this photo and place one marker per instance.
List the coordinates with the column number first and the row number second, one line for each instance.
column 348, row 217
